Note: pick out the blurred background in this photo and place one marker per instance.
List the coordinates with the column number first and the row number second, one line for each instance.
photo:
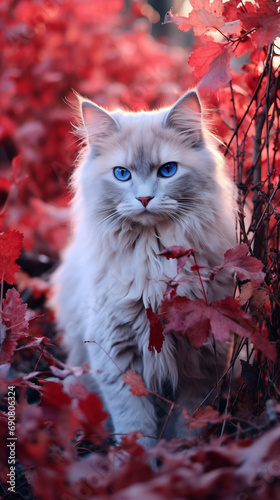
column 117, row 53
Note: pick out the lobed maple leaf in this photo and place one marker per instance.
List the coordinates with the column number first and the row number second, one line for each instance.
column 196, row 318
column 203, row 17
column 257, row 296
column 14, row 324
column 211, row 63
column 219, row 71
column 245, row 266
column 137, row 385
column 186, row 317
column 10, row 246
column 201, row 58
column 203, row 417
column 264, row 18
column 156, row 336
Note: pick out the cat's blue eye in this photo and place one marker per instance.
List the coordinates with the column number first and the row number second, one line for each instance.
column 122, row 174
column 168, row 169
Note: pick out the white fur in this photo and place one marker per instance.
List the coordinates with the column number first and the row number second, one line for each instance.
column 111, row 272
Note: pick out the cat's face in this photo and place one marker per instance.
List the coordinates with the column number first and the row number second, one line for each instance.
column 146, row 168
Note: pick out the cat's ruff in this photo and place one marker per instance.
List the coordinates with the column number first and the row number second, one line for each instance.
column 146, row 181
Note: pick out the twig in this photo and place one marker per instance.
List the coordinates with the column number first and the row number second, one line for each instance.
column 250, row 104
column 200, row 279
column 166, row 420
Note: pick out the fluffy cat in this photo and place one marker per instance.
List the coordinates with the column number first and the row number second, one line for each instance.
column 146, row 180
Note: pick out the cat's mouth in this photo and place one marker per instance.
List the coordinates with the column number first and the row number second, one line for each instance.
column 146, row 217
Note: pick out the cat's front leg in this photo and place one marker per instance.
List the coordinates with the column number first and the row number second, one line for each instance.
column 128, row 412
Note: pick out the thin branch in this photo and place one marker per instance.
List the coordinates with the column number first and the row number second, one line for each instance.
column 250, row 104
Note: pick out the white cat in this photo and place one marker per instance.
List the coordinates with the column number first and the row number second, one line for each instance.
column 147, row 180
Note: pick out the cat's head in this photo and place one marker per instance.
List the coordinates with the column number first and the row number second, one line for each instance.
column 146, row 168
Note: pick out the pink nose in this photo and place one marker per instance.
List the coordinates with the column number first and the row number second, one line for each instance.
column 145, row 200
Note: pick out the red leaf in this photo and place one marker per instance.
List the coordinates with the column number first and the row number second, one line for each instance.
column 54, row 395
column 14, row 324
column 93, row 414
column 201, row 18
column 177, row 252
column 219, row 71
column 226, row 316
column 216, row 7
column 186, row 317
column 196, row 318
column 10, row 246
column 202, row 57
column 266, row 21
column 34, row 342
column 5, row 184
column 205, row 416
column 156, row 336
column 129, row 443
column 245, row 266
column 136, row 382
column 257, row 296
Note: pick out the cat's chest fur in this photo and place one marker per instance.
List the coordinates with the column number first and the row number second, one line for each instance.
column 136, row 272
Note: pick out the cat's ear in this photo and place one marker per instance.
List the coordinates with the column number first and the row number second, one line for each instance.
column 97, row 122
column 185, row 116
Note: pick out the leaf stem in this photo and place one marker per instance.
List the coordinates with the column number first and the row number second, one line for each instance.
column 166, row 420
column 200, row 279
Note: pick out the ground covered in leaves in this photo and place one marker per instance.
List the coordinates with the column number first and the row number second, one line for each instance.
column 54, row 445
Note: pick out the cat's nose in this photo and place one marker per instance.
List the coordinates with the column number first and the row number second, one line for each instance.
column 145, row 200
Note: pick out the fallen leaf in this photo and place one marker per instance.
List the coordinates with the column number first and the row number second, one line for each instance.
column 205, row 416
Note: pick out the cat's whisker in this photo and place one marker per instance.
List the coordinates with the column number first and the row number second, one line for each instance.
column 108, row 217
column 102, row 226
column 207, row 222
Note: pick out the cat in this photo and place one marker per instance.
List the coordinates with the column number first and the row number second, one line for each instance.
column 145, row 181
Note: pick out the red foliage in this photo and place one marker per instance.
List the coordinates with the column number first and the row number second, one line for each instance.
column 196, row 318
